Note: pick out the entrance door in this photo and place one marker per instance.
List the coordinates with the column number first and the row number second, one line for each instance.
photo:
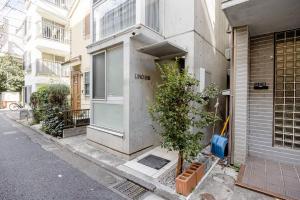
column 75, row 90
column 287, row 89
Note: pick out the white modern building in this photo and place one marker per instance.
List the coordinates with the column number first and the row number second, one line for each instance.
column 129, row 38
column 46, row 43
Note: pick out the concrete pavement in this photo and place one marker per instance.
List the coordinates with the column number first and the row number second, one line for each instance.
column 33, row 168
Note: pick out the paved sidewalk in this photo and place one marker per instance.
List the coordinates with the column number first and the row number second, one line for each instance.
column 220, row 185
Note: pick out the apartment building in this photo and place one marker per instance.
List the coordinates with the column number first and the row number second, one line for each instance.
column 78, row 60
column 265, row 79
column 47, row 44
column 128, row 38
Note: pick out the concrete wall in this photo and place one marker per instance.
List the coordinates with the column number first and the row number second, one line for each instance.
column 142, row 134
column 260, row 136
column 241, row 93
column 79, row 43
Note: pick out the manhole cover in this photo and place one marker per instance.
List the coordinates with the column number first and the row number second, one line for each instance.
column 130, row 189
column 154, row 162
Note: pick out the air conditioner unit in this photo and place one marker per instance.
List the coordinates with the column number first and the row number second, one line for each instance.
column 228, row 54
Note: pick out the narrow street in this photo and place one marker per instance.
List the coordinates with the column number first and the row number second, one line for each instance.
column 33, row 168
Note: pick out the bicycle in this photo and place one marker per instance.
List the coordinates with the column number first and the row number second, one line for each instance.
column 15, row 106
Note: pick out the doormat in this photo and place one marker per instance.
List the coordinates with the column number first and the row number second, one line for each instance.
column 154, row 162
column 284, row 185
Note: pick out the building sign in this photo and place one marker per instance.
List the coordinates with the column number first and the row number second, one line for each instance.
column 142, row 77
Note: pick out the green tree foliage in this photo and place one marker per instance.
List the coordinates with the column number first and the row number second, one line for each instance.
column 181, row 112
column 11, row 74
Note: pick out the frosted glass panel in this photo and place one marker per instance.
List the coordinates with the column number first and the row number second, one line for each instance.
column 115, row 72
column 108, row 116
column 99, row 76
column 152, row 14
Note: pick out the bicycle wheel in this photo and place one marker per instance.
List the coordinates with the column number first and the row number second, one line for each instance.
column 13, row 106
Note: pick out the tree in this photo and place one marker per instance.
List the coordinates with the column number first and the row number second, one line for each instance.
column 181, row 112
column 11, row 74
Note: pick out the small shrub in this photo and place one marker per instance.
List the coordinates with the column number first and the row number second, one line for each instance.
column 53, row 122
column 48, row 105
column 58, row 94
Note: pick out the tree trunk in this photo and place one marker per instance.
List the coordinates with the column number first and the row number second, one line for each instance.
column 179, row 164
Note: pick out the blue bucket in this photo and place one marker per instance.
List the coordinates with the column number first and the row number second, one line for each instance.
column 219, row 146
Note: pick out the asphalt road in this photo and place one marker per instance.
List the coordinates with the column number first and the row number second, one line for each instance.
column 29, row 171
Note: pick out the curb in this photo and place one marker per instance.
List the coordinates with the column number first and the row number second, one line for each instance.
column 149, row 186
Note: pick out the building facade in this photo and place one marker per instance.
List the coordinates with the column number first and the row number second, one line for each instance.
column 47, row 45
column 265, row 76
column 78, row 61
column 128, row 38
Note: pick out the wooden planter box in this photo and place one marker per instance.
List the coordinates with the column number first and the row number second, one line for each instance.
column 186, row 182
column 199, row 169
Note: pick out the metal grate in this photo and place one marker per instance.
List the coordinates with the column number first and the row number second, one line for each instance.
column 130, row 190
column 287, row 89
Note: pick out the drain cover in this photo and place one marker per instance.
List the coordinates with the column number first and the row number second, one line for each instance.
column 154, row 162
column 130, row 189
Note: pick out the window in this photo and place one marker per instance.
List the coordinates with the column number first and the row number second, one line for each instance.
column 108, row 87
column 86, row 27
column 152, row 14
column 27, row 26
column 113, row 16
column 108, row 74
column 53, row 31
column 87, row 83
column 51, row 65
column 27, row 61
column 99, row 82
column 287, row 90
column 27, row 93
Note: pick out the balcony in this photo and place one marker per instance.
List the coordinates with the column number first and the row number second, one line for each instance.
column 51, row 68
column 53, row 31
column 64, row 4
column 114, row 16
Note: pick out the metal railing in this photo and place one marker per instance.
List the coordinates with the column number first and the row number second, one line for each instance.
column 46, row 67
column 76, row 118
column 64, row 4
column 54, row 31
